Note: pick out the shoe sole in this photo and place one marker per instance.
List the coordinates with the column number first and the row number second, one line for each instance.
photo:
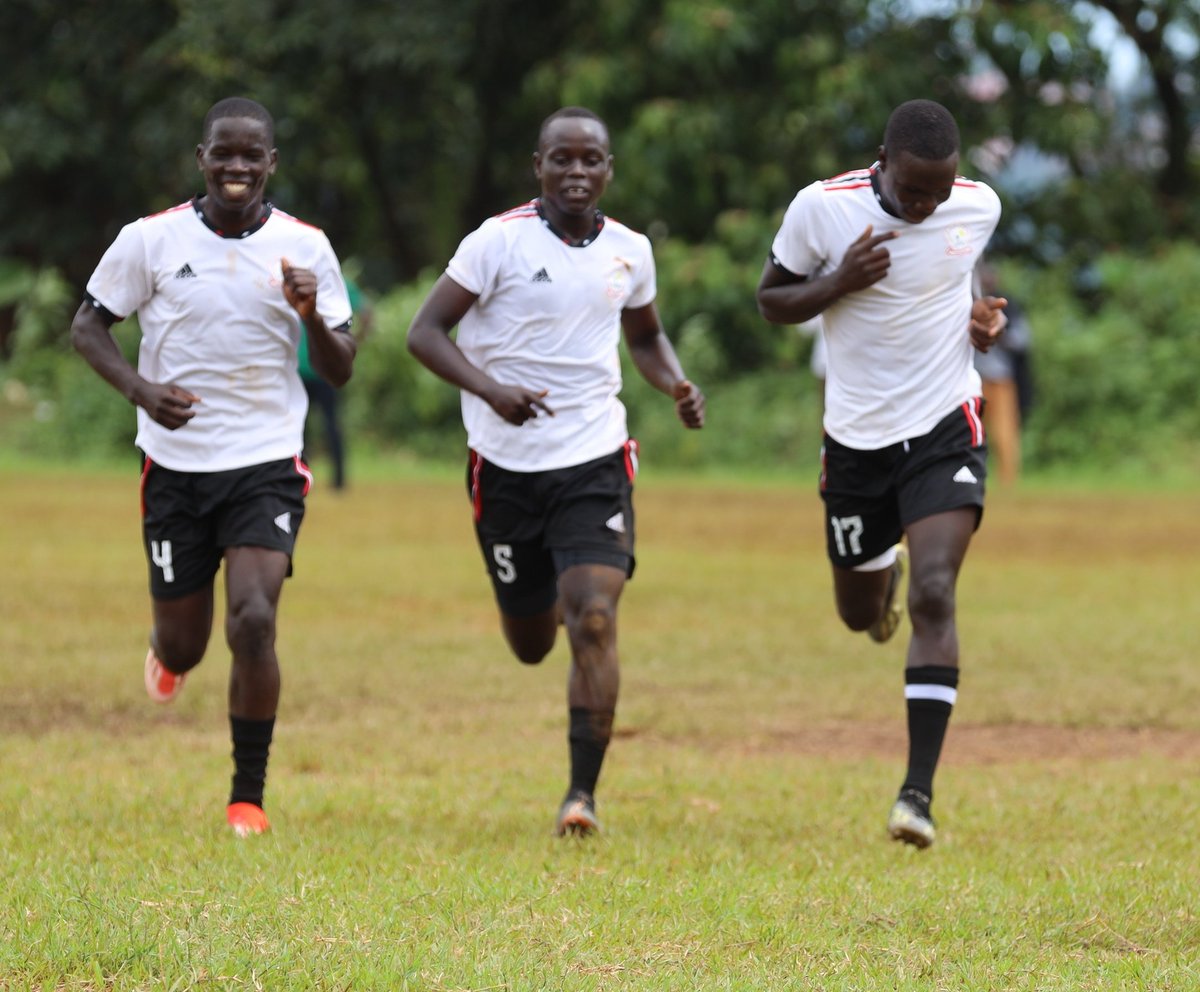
column 150, row 677
column 578, row 822
column 910, row 829
column 246, row 827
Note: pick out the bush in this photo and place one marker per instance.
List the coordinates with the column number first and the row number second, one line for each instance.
column 1114, row 369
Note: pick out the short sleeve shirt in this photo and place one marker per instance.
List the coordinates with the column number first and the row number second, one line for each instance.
column 548, row 317
column 214, row 321
column 898, row 354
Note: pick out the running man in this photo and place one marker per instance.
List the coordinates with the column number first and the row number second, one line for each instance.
column 885, row 255
column 217, row 284
column 540, row 295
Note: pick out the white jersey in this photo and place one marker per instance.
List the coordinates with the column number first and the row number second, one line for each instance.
column 899, row 353
column 549, row 317
column 215, row 322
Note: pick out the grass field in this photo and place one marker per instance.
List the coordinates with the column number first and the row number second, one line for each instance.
column 417, row 767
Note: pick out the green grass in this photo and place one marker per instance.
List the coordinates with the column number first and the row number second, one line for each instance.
column 417, row 767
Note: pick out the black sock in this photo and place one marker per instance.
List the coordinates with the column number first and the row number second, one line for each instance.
column 589, row 736
column 930, row 692
column 251, row 746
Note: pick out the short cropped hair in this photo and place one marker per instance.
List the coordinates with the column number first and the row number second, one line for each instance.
column 569, row 112
column 922, row 128
column 239, row 106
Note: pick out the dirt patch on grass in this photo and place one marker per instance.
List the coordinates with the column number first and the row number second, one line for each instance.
column 988, row 744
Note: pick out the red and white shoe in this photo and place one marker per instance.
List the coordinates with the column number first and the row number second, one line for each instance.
column 162, row 685
column 577, row 815
column 247, row 819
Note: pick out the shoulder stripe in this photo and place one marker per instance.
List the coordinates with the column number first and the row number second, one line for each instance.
column 295, row 220
column 854, row 179
column 515, row 213
column 169, row 210
column 852, row 174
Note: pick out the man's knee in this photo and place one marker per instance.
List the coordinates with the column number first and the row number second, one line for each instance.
column 531, row 638
column 179, row 650
column 250, row 628
column 858, row 616
column 931, row 596
column 594, row 621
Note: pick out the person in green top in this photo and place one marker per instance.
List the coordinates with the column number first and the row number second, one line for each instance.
column 325, row 397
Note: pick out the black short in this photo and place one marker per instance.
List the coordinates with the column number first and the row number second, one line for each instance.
column 534, row 525
column 190, row 518
column 872, row 496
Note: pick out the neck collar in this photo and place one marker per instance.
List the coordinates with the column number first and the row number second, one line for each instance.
column 597, row 227
column 266, row 213
column 875, row 188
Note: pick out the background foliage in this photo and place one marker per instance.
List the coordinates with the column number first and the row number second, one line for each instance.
column 400, row 126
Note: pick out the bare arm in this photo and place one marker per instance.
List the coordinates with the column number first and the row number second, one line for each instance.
column 167, row 405
column 786, row 298
column 656, row 360
column 330, row 352
column 430, row 343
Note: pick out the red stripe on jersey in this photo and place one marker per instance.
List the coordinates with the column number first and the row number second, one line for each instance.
column 842, row 186
column 142, row 486
column 632, row 449
column 966, row 183
column 169, row 210
column 305, row 471
column 971, row 410
column 475, row 467
column 295, row 220
column 853, row 173
column 515, row 213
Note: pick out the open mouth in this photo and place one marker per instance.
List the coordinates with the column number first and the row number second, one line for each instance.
column 235, row 189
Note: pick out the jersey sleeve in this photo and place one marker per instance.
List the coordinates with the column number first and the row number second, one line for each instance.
column 333, row 299
column 477, row 260
column 122, row 281
column 645, row 286
column 796, row 247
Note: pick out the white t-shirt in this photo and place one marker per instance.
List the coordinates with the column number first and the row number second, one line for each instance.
column 549, row 317
column 215, row 322
column 899, row 353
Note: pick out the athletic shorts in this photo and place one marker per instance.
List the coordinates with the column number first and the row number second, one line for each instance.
column 532, row 526
column 872, row 496
column 190, row 518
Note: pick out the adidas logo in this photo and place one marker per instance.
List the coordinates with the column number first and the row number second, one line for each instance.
column 186, row 272
column 541, row 276
column 284, row 522
column 964, row 474
column 616, row 522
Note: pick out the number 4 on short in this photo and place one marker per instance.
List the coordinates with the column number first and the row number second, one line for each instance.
column 160, row 554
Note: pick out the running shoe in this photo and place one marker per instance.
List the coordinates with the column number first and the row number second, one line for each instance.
column 577, row 815
column 910, row 820
column 162, row 685
column 893, row 607
column 246, row 819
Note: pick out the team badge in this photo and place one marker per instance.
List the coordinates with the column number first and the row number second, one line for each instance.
column 958, row 241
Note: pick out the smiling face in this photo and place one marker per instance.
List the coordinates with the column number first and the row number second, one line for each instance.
column 913, row 188
column 574, row 166
column 236, row 158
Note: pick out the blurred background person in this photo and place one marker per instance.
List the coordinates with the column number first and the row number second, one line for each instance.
column 1007, row 383
column 326, row 398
